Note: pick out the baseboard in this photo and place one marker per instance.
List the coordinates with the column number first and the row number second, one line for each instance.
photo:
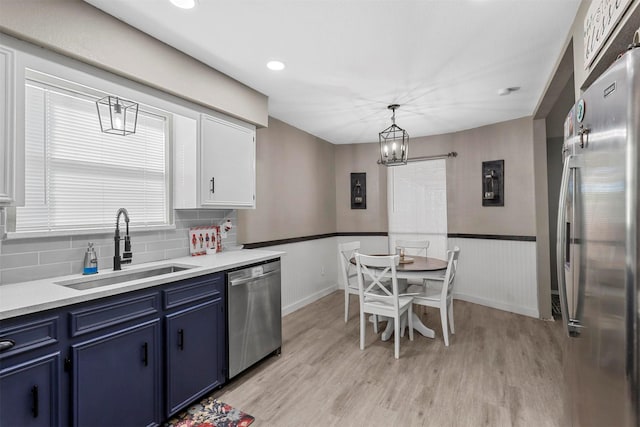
column 308, row 300
column 525, row 311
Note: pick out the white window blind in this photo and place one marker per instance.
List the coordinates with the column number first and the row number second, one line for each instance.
column 417, row 204
column 77, row 177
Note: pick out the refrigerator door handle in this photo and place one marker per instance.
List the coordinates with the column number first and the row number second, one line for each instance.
column 571, row 326
column 584, row 136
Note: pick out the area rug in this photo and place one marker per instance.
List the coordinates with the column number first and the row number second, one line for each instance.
column 210, row 412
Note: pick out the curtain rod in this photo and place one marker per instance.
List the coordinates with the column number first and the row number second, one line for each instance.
column 434, row 157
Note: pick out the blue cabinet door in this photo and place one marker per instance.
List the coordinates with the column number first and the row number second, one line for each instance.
column 195, row 353
column 29, row 393
column 116, row 378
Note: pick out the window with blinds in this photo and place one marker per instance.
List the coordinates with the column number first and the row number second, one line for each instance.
column 417, row 204
column 76, row 177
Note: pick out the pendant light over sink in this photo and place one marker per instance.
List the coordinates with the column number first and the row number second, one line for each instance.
column 117, row 116
column 394, row 143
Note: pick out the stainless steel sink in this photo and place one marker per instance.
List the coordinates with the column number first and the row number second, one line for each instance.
column 121, row 277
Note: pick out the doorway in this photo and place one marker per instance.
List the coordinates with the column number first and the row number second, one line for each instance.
column 555, row 106
column 555, row 139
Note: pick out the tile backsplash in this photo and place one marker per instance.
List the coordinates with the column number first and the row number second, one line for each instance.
column 38, row 258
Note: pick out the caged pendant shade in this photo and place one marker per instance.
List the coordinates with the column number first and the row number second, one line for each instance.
column 117, row 116
column 394, row 143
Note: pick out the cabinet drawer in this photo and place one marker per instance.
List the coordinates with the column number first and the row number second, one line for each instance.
column 96, row 317
column 30, row 335
column 191, row 290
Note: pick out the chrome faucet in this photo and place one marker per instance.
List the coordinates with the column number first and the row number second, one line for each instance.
column 127, row 255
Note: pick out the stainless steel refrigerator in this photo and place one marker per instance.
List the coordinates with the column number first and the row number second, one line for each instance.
column 598, row 254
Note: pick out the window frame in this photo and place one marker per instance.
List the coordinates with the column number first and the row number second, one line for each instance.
column 88, row 81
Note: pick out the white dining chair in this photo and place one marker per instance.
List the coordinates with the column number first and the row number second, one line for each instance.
column 378, row 298
column 441, row 296
column 413, row 247
column 348, row 270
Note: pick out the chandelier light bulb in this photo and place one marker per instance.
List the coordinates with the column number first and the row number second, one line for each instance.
column 117, row 116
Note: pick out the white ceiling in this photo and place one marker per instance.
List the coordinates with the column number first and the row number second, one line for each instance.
column 442, row 61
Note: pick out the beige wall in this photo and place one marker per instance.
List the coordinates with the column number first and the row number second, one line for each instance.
column 556, row 117
column 78, row 30
column 360, row 158
column 511, row 141
column 295, row 188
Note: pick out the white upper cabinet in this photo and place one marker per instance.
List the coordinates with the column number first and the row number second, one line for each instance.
column 215, row 163
column 227, row 162
column 7, row 129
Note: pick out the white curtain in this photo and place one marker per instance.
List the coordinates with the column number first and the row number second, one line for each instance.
column 417, row 204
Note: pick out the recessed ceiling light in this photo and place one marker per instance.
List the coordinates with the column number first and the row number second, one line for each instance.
column 184, row 4
column 275, row 65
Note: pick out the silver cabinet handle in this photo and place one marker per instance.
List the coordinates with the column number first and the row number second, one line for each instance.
column 6, row 344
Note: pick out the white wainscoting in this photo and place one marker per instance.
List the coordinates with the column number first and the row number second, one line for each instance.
column 309, row 270
column 498, row 273
column 494, row 273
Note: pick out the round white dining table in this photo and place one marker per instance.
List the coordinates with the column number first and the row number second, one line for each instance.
column 415, row 267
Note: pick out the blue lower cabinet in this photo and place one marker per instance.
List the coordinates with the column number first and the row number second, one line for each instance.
column 116, row 378
column 195, row 353
column 29, row 393
column 128, row 360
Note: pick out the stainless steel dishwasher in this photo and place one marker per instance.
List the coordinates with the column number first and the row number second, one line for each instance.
column 254, row 317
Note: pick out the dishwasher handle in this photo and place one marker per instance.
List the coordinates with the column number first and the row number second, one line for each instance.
column 253, row 278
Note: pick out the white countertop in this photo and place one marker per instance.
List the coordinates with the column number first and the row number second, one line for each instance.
column 18, row 299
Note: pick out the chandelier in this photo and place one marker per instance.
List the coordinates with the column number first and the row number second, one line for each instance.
column 117, row 116
column 394, row 142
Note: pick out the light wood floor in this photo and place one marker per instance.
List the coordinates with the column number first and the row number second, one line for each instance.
column 500, row 369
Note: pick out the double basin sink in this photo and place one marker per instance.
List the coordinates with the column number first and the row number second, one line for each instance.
column 118, row 277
